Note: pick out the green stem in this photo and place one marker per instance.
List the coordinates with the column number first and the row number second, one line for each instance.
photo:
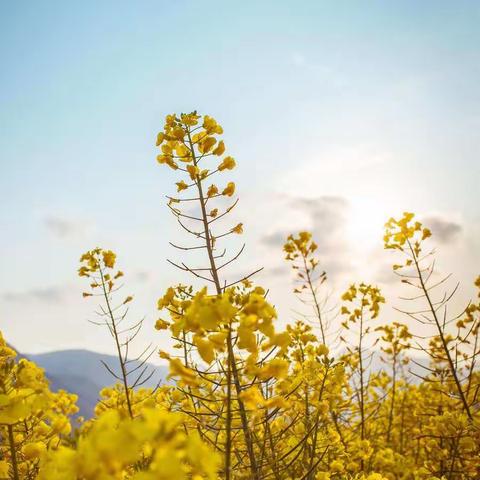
column 13, row 453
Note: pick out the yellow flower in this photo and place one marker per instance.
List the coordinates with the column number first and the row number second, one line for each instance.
column 211, row 125
column 83, row 271
column 322, row 350
column 337, row 466
column 252, row 398
column 4, row 469
column 33, row 450
column 205, row 348
column 220, row 149
column 238, row 228
column 166, row 299
column 161, row 324
column 276, row 402
column 426, row 233
column 276, row 368
column 229, row 190
column 177, row 369
column 168, row 160
column 109, row 258
column 281, row 340
column 206, row 145
column 193, row 171
column 183, row 153
column 246, row 336
column 218, row 340
column 181, row 186
column 178, row 133
column 212, row 190
column 190, row 119
column 160, row 138
column 227, row 164
column 167, row 149
column 208, row 311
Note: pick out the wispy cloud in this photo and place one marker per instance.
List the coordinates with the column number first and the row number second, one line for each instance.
column 42, row 294
column 63, row 227
column 444, row 230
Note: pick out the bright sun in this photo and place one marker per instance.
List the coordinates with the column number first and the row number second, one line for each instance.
column 365, row 225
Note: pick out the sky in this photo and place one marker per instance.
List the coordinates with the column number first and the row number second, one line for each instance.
column 339, row 115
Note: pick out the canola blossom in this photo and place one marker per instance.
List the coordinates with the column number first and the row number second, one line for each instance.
column 254, row 396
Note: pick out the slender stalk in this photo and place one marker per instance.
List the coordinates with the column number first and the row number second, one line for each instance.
column 315, row 300
column 307, row 407
column 243, row 417
column 272, row 448
column 392, row 402
column 402, row 422
column 472, row 363
column 13, row 453
column 317, row 423
column 231, row 364
column 119, row 348
column 208, row 238
column 441, row 334
column 334, row 417
column 228, row 420
column 456, row 442
column 362, row 388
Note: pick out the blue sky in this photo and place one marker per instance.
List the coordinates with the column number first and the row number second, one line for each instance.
column 373, row 103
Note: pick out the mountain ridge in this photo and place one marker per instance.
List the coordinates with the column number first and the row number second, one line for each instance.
column 81, row 371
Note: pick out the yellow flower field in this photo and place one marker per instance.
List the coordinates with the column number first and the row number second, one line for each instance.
column 250, row 399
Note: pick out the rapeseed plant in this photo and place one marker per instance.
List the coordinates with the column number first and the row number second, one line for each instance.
column 251, row 400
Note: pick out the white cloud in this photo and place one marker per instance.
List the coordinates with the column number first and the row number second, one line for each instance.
column 40, row 294
column 445, row 231
column 65, row 228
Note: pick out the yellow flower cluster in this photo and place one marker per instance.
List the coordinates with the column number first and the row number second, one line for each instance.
column 362, row 297
column 98, row 265
column 212, row 319
column 300, row 251
column 405, row 232
column 32, row 418
column 188, row 139
column 153, row 446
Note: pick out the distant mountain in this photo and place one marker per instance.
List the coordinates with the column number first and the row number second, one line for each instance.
column 82, row 372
